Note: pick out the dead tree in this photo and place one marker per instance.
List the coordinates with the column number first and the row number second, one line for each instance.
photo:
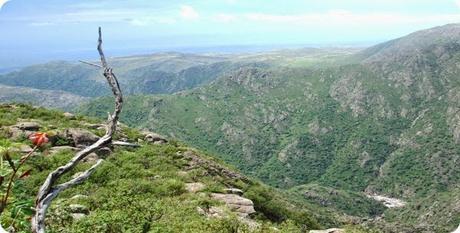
column 49, row 189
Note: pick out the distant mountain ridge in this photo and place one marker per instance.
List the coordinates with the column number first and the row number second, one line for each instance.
column 329, row 125
column 384, row 120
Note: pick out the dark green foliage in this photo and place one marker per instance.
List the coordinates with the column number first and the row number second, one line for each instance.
column 141, row 190
column 384, row 120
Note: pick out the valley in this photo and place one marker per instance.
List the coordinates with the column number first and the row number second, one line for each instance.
column 325, row 127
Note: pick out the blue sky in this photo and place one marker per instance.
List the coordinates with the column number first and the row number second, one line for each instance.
column 32, row 30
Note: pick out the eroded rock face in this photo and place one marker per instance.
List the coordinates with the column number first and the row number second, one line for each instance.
column 240, row 205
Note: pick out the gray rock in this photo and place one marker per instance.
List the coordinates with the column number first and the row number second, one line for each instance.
column 81, row 137
column 153, row 137
column 23, row 129
column 30, row 126
column 236, row 191
column 240, row 205
column 69, row 115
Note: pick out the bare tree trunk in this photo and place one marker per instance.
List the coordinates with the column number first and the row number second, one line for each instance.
column 49, row 190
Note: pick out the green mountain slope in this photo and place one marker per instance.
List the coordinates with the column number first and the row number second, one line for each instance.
column 166, row 187
column 384, row 120
column 159, row 73
column 149, row 74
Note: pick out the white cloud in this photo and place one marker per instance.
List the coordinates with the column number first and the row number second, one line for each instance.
column 457, row 2
column 2, row 2
column 225, row 18
column 342, row 17
column 146, row 21
column 188, row 12
column 231, row 2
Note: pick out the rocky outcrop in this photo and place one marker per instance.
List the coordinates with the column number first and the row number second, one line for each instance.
column 80, row 137
column 23, row 129
column 388, row 201
column 240, row 205
column 154, row 138
column 31, row 126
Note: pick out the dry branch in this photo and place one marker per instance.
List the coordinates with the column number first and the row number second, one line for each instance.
column 49, row 189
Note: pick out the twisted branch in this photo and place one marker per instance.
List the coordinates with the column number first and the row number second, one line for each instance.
column 49, row 190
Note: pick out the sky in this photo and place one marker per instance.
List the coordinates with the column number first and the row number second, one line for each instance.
column 34, row 31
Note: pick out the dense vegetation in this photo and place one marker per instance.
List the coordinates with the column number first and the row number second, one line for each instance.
column 383, row 121
column 139, row 190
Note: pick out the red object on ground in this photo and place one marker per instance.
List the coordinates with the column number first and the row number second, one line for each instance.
column 39, row 139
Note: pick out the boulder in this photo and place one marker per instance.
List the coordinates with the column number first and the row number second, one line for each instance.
column 154, row 138
column 69, row 115
column 240, row 205
column 23, row 129
column 194, row 187
column 236, row 191
column 29, row 126
column 81, row 137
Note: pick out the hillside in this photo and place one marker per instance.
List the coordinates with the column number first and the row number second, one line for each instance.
column 382, row 121
column 55, row 99
column 161, row 73
column 160, row 187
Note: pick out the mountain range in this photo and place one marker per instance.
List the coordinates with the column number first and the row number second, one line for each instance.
column 333, row 128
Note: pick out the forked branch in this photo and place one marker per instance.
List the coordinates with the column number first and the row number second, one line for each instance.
column 49, row 189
